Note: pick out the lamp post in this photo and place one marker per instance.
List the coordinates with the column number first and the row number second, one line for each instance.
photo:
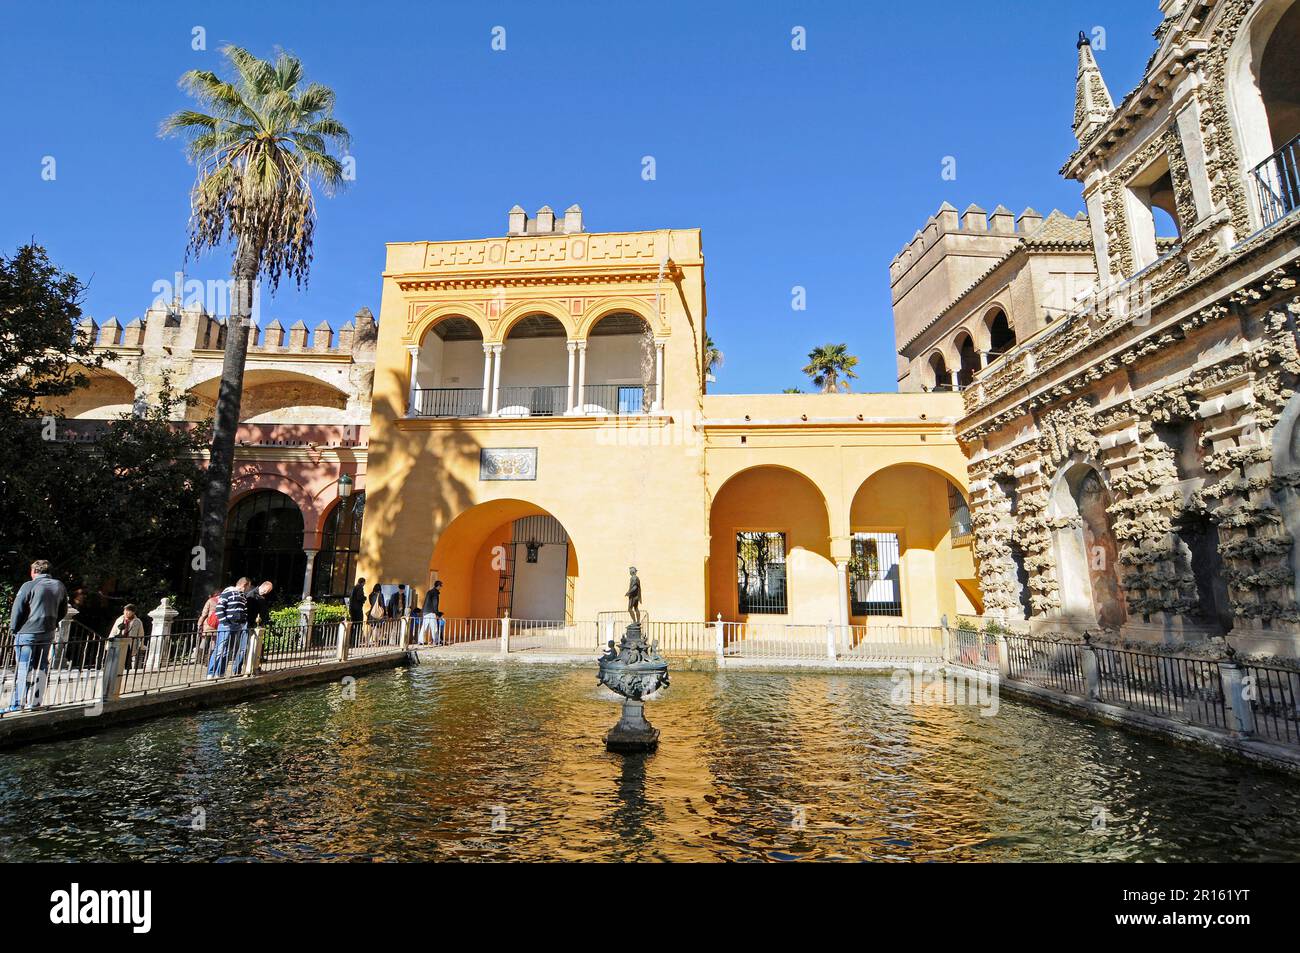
column 345, row 486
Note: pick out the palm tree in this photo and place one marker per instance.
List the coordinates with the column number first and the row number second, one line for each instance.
column 713, row 358
column 259, row 148
column 829, row 363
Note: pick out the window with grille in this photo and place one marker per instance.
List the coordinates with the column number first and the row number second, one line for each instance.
column 336, row 563
column 874, row 574
column 958, row 514
column 760, row 573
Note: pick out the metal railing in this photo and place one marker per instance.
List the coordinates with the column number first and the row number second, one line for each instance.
column 447, row 402
column 534, row 400
column 1046, row 663
column 1275, row 702
column 1169, row 686
column 1277, row 183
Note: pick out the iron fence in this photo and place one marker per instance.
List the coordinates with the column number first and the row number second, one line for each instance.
column 1277, row 183
column 1046, row 663
column 1169, row 686
column 1273, row 694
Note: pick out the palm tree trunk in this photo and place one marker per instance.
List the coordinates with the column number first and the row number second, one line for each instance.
column 221, row 457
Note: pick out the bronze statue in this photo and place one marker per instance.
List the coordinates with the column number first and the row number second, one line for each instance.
column 634, row 597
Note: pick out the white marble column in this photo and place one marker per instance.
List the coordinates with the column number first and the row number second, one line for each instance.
column 572, row 347
column 956, row 379
column 582, row 376
column 414, row 351
column 306, row 576
column 487, row 377
column 657, row 405
column 499, row 351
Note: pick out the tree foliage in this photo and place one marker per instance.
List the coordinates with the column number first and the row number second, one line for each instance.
column 117, row 512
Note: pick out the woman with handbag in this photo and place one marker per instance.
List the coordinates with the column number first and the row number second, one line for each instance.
column 207, row 633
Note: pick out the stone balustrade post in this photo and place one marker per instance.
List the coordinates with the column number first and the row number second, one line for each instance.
column 306, row 618
column 343, row 642
column 1237, row 696
column 1004, row 655
column 831, row 654
column 256, row 641
column 1091, row 670
column 719, row 637
column 61, row 637
column 945, row 634
column 110, row 686
column 404, row 632
column 160, row 635
column 505, row 634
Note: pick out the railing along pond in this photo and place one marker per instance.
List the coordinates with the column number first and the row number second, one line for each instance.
column 84, row 668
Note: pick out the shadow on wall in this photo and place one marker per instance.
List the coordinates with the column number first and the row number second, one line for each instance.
column 418, row 498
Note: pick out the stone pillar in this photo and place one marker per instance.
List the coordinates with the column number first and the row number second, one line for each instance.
column 1004, row 656
column 487, row 378
column 256, row 640
column 572, row 347
column 306, row 619
column 343, row 642
column 61, row 637
column 307, row 576
column 582, row 375
column 657, row 405
column 110, row 685
column 956, row 379
column 160, row 636
column 946, row 635
column 719, row 640
column 1241, row 715
column 505, row 635
column 842, row 575
column 1091, row 670
column 498, row 351
column 831, row 654
column 412, row 410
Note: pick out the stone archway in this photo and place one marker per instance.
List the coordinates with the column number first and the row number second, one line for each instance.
column 1087, row 554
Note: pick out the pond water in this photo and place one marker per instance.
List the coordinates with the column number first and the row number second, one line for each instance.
column 462, row 761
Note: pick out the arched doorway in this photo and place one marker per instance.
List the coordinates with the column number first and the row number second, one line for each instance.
column 912, row 549
column 449, row 371
column 1002, row 337
column 942, row 380
column 264, row 542
column 534, row 368
column 620, row 366
column 1264, row 89
column 506, row 557
column 769, row 557
column 1087, row 555
column 336, row 563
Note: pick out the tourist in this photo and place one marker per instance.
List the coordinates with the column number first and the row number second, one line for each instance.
column 357, row 606
column 39, row 607
column 258, row 605
column 207, row 628
column 397, row 602
column 129, row 628
column 232, row 622
column 417, row 614
column 431, row 627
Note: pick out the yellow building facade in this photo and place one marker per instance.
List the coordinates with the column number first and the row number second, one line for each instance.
column 540, row 423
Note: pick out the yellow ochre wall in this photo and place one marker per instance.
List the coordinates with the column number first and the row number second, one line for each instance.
column 663, row 492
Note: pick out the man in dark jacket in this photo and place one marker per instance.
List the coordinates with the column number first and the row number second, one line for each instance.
column 258, row 605
column 232, row 624
column 357, row 601
column 39, row 607
column 430, row 627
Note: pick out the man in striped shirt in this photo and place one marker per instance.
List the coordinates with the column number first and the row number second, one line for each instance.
column 232, row 624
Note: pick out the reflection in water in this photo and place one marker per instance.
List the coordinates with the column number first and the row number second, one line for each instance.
column 494, row 762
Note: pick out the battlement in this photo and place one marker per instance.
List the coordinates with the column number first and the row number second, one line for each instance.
column 193, row 329
column 1000, row 229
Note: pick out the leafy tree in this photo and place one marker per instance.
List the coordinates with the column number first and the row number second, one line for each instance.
column 260, row 147
column 831, row 367
column 117, row 513
column 793, row 390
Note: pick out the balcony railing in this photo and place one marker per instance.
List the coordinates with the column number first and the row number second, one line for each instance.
column 543, row 400
column 1277, row 183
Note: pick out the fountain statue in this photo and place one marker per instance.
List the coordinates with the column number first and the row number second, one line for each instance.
column 633, row 670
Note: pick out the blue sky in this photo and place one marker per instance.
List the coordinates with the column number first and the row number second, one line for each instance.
column 807, row 168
